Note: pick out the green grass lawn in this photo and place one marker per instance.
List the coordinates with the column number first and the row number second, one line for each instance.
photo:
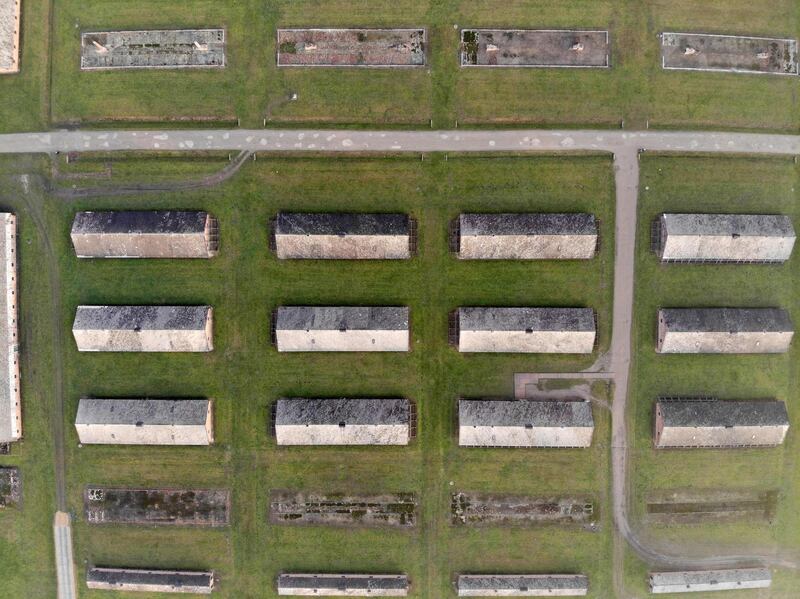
column 245, row 375
column 635, row 90
column 699, row 184
column 24, row 96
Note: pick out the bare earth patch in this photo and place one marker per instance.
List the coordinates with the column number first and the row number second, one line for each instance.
column 731, row 53
column 534, row 48
column 710, row 505
column 351, row 47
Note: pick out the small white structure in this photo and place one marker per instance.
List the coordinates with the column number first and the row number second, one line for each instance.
column 343, row 585
column 145, row 421
column 522, row 585
column 725, row 237
column 150, row 581
column 524, row 423
column 145, row 234
column 527, row 236
column 526, row 330
column 144, row 328
column 709, row 422
column 10, row 401
column 724, row 331
column 342, row 329
column 710, row 580
column 342, row 421
column 337, row 236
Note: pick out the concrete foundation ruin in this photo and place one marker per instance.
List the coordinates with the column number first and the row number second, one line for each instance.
column 709, row 580
column 144, row 328
column 10, row 401
column 724, row 238
column 145, row 234
column 153, row 49
column 145, row 422
column 723, row 331
column 150, row 581
column 709, row 422
column 164, row 507
column 527, row 236
column 526, row 330
column 338, row 236
column 343, row 421
column 10, row 11
column 342, row 329
column 522, row 585
column 343, row 585
column 728, row 53
column 351, row 47
column 524, row 423
column 534, row 48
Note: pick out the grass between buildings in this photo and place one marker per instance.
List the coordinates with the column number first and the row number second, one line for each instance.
column 715, row 184
column 245, row 375
column 635, row 90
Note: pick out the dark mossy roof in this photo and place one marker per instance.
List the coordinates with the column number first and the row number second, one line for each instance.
column 332, row 318
column 528, row 224
column 736, row 320
column 510, row 582
column 340, row 223
column 139, row 222
column 715, row 413
column 173, row 578
column 350, row 411
column 153, row 318
column 343, row 581
column 142, row 411
column 521, row 319
column 521, row 412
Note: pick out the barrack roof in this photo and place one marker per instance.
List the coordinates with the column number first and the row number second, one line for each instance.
column 521, row 412
column 343, row 581
column 328, row 318
column 734, row 320
column 155, row 318
column 510, row 582
column 761, row 225
column 528, row 224
column 142, row 411
column 176, row 578
column 709, row 576
column 520, row 319
column 335, row 223
column 333, row 411
column 711, row 412
column 140, row 222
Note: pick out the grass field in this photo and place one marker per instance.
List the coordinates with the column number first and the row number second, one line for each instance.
column 746, row 185
column 245, row 375
column 634, row 91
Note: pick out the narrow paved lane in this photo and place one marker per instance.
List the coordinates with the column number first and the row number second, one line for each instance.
column 65, row 572
column 297, row 140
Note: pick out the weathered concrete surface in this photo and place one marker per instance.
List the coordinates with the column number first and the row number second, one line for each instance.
column 522, row 585
column 65, row 564
column 351, row 47
column 335, row 509
column 144, row 328
column 10, row 400
column 710, row 580
column 482, row 509
column 153, row 49
column 150, row 581
column 301, row 421
column 10, row 487
column 714, row 423
column 524, row 423
column 527, row 236
column 145, row 421
column 148, row 507
column 338, row 236
column 145, row 234
column 526, row 330
column 343, row 585
column 534, row 48
column 732, row 53
column 725, row 237
column 10, row 12
column 723, row 331
column 342, row 328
